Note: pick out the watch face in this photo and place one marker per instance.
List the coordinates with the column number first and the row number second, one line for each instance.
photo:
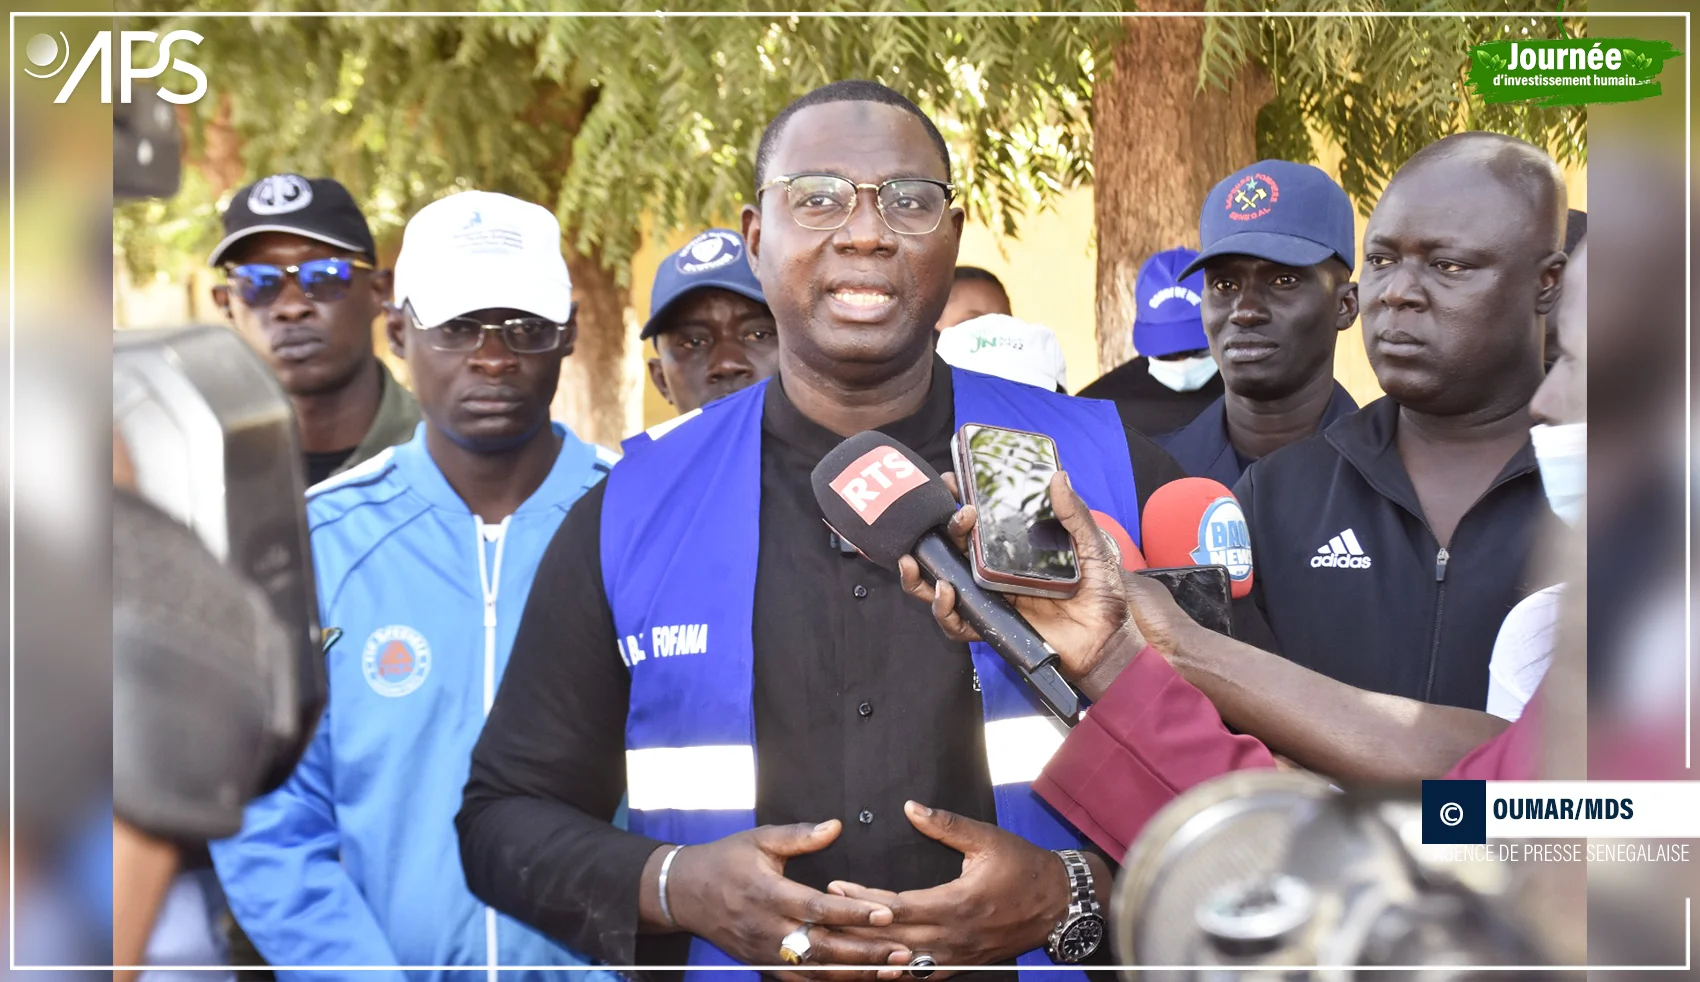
column 1081, row 938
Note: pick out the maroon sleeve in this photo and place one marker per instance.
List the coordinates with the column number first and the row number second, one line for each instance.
column 1511, row 756
column 1151, row 738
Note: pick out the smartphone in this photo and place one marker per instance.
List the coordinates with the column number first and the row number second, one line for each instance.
column 1203, row 592
column 1018, row 545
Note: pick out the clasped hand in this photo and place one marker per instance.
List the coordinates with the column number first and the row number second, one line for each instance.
column 1009, row 897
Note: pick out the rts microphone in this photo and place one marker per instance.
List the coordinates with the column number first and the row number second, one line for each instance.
column 1198, row 522
column 883, row 498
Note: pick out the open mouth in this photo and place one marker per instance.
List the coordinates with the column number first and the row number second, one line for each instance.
column 861, row 303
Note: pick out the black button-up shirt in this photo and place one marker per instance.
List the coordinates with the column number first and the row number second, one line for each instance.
column 860, row 703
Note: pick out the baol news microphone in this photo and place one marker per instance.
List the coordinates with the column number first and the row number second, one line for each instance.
column 880, row 496
column 1198, row 522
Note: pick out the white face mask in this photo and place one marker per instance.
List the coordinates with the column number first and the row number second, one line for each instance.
column 1184, row 374
column 1562, row 454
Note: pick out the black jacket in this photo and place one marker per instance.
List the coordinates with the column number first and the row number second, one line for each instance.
column 1203, row 448
column 1147, row 405
column 1354, row 584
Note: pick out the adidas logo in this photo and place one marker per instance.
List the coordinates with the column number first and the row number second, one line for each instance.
column 1341, row 552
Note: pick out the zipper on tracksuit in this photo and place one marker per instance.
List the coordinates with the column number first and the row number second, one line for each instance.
column 1440, row 560
column 488, row 585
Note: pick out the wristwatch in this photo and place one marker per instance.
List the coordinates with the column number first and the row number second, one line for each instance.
column 1081, row 930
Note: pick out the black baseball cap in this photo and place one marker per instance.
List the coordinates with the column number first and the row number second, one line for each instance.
column 318, row 208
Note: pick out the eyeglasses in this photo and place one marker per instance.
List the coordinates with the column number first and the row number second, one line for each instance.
column 824, row 202
column 321, row 280
column 523, row 335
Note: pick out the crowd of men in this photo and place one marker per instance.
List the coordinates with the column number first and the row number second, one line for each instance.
column 594, row 708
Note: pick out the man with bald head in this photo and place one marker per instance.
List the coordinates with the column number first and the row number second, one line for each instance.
column 1391, row 545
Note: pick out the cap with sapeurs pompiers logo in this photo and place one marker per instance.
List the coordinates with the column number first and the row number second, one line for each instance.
column 1287, row 213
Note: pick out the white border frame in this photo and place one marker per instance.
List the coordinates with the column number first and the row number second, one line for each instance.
column 1688, row 55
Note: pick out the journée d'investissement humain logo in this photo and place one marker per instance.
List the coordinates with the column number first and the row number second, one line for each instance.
column 1569, row 71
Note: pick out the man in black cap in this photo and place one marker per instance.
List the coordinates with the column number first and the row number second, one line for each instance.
column 712, row 331
column 302, row 286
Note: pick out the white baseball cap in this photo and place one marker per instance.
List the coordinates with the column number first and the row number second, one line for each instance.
column 998, row 344
column 476, row 250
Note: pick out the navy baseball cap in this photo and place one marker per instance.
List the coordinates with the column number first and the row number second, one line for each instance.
column 713, row 259
column 1168, row 319
column 1287, row 213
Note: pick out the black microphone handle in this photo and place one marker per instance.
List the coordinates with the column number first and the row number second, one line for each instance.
column 999, row 625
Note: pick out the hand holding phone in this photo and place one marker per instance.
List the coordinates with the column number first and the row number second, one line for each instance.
column 1203, row 593
column 1018, row 546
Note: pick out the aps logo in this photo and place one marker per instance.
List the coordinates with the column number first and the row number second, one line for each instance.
column 45, row 50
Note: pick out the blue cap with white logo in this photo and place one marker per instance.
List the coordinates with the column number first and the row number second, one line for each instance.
column 1287, row 213
column 1168, row 320
column 713, row 259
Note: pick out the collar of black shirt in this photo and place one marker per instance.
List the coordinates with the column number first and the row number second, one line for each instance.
column 784, row 421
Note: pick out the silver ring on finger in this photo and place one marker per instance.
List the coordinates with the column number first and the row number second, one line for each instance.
column 794, row 949
column 921, row 966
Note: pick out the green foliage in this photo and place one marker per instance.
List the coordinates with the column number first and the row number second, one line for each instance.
column 1381, row 88
column 615, row 120
column 619, row 120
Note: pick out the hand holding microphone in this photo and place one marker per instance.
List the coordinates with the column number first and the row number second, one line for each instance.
column 1092, row 631
column 889, row 503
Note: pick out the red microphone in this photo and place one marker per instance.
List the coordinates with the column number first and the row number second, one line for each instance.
column 1198, row 522
column 1132, row 559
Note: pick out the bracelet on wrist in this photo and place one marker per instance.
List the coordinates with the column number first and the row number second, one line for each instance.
column 661, row 886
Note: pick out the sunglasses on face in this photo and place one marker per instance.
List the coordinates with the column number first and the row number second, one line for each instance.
column 320, row 280
column 523, row 335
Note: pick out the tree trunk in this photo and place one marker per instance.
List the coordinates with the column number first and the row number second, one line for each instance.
column 600, row 395
column 1158, row 146
column 220, row 158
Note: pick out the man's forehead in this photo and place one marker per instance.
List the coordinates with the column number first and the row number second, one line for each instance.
column 864, row 141
column 1239, row 261
column 1437, row 200
column 268, row 244
column 710, row 307
column 494, row 315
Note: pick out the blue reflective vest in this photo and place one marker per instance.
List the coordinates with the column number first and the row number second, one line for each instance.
column 680, row 541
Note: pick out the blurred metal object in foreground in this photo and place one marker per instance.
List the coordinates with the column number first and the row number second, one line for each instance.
column 1259, row 872
column 213, row 445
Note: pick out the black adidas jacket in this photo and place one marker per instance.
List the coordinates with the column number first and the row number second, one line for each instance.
column 1353, row 583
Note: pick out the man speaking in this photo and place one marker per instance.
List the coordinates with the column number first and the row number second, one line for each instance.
column 694, row 617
